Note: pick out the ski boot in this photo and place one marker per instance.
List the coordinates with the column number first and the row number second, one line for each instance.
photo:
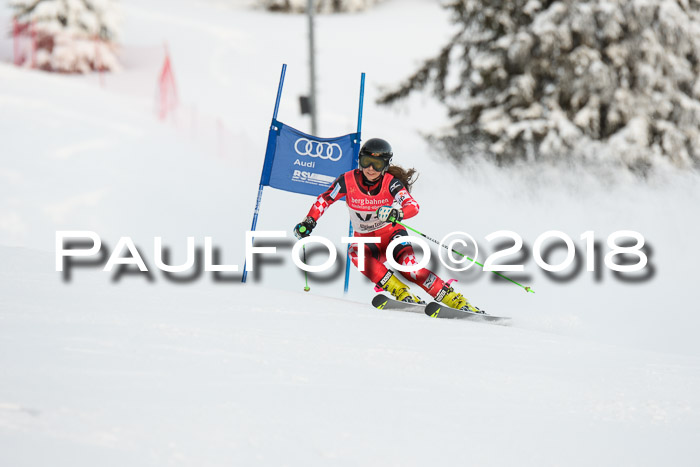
column 398, row 289
column 449, row 297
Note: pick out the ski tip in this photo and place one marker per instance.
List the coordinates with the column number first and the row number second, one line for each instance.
column 380, row 301
column 528, row 289
column 432, row 309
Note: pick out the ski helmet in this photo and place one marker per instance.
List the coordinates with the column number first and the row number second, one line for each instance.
column 376, row 150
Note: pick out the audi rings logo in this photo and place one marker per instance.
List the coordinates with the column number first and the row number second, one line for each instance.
column 306, row 147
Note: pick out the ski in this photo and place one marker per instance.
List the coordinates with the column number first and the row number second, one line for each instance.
column 433, row 309
column 438, row 310
column 382, row 302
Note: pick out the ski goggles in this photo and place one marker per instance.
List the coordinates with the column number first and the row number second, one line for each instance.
column 377, row 163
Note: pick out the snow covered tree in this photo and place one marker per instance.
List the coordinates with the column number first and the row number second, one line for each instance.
column 322, row 6
column 598, row 81
column 73, row 36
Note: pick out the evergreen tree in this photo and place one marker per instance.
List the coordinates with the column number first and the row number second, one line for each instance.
column 599, row 81
column 73, row 36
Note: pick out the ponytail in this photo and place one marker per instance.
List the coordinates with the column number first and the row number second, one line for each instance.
column 406, row 176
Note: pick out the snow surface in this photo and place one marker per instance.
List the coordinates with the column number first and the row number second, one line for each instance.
column 122, row 370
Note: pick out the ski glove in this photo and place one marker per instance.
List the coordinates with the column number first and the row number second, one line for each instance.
column 304, row 228
column 390, row 214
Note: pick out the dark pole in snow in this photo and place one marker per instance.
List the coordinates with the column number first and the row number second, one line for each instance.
column 312, row 66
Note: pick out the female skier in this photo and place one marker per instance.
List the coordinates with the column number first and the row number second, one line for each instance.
column 375, row 193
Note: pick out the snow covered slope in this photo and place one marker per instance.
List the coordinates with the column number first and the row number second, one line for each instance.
column 134, row 371
column 141, row 375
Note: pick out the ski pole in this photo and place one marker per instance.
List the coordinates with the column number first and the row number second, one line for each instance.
column 302, row 229
column 306, row 274
column 527, row 289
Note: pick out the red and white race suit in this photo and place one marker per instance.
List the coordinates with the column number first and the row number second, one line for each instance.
column 363, row 201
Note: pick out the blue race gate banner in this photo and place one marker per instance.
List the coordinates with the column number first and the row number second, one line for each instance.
column 306, row 164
